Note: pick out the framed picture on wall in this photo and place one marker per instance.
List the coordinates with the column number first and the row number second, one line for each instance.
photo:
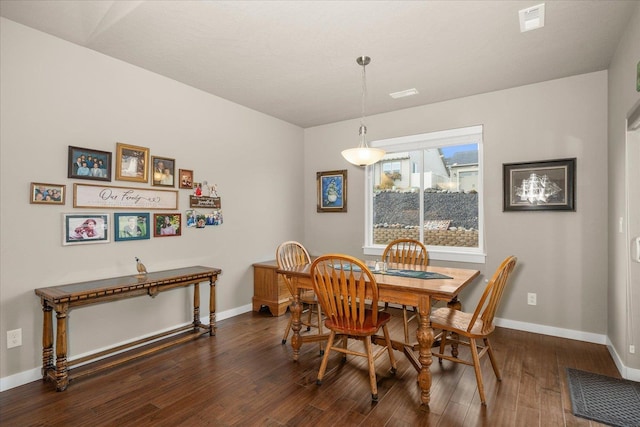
column 131, row 226
column 332, row 191
column 166, row 225
column 85, row 228
column 132, row 163
column 537, row 186
column 47, row 194
column 163, row 172
column 186, row 178
column 87, row 163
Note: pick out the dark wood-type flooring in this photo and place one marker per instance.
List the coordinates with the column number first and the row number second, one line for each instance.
column 244, row 376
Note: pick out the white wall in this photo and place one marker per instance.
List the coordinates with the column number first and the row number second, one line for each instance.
column 622, row 97
column 562, row 255
column 56, row 94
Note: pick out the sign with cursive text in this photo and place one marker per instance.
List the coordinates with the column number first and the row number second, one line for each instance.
column 104, row 196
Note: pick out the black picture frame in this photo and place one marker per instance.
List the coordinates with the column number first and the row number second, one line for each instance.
column 91, row 157
column 547, row 185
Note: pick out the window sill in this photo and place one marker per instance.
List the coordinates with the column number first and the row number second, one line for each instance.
column 439, row 254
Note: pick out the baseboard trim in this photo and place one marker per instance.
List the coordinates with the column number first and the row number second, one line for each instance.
column 551, row 330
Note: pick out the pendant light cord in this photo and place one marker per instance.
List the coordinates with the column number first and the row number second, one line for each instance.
column 364, row 91
column 363, row 128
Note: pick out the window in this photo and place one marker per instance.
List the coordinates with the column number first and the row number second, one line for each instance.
column 428, row 187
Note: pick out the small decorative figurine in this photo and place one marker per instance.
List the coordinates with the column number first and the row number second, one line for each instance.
column 141, row 268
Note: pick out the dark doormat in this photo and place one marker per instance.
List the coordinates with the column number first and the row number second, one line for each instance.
column 604, row 399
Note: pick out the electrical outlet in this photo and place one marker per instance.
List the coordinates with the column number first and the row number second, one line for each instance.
column 632, row 349
column 14, row 338
column 531, row 299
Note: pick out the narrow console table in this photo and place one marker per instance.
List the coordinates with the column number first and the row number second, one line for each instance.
column 62, row 298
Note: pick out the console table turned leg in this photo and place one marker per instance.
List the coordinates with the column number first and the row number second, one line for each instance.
column 62, row 374
column 47, row 340
column 212, row 305
column 196, row 306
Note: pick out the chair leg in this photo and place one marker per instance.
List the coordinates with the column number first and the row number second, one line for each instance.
column 287, row 329
column 325, row 358
column 372, row 368
column 405, row 322
column 443, row 344
column 494, row 364
column 309, row 319
column 476, row 367
column 392, row 358
column 320, row 329
column 345, row 343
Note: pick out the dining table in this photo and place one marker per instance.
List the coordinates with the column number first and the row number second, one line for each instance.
column 401, row 284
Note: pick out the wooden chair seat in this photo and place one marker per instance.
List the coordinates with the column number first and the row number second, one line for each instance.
column 458, row 322
column 473, row 327
column 349, row 327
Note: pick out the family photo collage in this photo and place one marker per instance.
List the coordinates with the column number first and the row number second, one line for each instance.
column 130, row 222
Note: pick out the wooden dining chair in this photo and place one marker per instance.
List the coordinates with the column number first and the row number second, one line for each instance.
column 345, row 287
column 458, row 327
column 406, row 251
column 290, row 254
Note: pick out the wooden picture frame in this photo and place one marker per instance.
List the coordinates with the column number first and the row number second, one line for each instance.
column 163, row 174
column 131, row 226
column 538, row 186
column 167, row 224
column 186, row 178
column 87, row 163
column 332, row 191
column 47, row 194
column 132, row 163
column 85, row 228
column 111, row 197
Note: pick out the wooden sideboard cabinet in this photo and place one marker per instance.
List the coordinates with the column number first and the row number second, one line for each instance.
column 269, row 289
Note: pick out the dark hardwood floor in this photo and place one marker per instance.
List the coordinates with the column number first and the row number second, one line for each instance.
column 244, row 376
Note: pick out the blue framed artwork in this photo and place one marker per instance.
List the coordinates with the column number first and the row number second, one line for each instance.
column 332, row 191
column 131, row 226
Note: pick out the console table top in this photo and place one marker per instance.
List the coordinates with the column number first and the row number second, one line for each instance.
column 112, row 285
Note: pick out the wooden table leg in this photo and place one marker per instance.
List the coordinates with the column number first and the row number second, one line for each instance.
column 62, row 368
column 425, row 340
column 296, row 313
column 47, row 340
column 196, row 306
column 212, row 305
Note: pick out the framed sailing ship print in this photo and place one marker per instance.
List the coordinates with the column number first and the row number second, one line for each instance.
column 542, row 185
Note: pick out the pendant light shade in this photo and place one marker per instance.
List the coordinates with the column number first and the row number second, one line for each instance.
column 363, row 155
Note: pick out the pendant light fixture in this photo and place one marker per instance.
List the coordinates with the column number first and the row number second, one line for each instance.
column 363, row 155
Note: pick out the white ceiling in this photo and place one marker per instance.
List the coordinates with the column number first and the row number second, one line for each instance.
column 295, row 60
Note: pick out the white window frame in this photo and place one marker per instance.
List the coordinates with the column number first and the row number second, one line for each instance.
column 467, row 135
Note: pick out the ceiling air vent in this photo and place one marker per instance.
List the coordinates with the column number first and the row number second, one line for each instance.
column 531, row 18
